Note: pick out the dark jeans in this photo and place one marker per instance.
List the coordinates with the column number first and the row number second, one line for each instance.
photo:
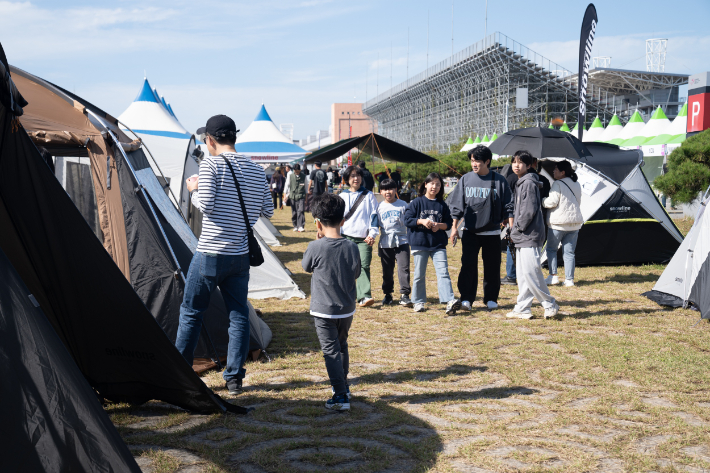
column 333, row 338
column 489, row 245
column 509, row 265
column 231, row 274
column 298, row 216
column 389, row 256
column 277, row 197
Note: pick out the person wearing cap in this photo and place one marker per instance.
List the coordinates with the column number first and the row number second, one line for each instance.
column 222, row 256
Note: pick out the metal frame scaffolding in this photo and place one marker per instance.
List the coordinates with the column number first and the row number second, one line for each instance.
column 473, row 93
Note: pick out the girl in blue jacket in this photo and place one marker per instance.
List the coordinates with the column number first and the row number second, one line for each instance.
column 427, row 220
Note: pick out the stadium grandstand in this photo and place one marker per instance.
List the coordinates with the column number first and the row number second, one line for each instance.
column 481, row 90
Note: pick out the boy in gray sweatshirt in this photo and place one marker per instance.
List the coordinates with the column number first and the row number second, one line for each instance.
column 528, row 234
column 335, row 264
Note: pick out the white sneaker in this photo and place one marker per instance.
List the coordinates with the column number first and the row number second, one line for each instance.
column 492, row 305
column 552, row 280
column 452, row 306
column 519, row 315
column 300, row 229
column 466, row 305
column 552, row 311
column 367, row 302
column 569, row 282
column 419, row 307
column 295, row 229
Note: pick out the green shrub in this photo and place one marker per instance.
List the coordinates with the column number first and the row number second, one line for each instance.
column 688, row 169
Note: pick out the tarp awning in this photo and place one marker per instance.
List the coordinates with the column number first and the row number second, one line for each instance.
column 374, row 144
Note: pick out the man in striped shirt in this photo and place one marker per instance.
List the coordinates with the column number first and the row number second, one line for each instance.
column 222, row 257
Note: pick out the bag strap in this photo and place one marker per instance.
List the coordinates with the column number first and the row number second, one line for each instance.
column 356, row 204
column 570, row 189
column 239, row 192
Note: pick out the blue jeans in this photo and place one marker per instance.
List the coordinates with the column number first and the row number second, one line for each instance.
column 569, row 243
column 443, row 280
column 509, row 265
column 231, row 274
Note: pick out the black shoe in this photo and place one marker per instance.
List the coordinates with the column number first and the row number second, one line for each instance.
column 234, row 386
column 406, row 301
column 509, row 281
column 387, row 300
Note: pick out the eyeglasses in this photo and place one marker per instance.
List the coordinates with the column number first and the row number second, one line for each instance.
column 203, row 137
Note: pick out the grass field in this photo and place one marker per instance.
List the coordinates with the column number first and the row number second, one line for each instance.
column 616, row 383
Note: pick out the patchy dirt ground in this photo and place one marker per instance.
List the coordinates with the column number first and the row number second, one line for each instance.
column 615, row 384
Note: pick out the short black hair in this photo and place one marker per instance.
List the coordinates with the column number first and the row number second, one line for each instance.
column 429, row 178
column 228, row 140
column 524, row 156
column 350, row 171
column 480, row 153
column 388, row 184
column 361, row 164
column 329, row 209
column 318, row 163
column 296, row 167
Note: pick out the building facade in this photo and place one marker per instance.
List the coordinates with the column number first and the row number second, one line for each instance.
column 345, row 116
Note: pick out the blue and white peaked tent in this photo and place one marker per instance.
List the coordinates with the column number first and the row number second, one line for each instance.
column 154, row 121
column 264, row 143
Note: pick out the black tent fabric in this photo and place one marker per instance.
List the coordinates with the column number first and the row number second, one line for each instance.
column 373, row 144
column 610, row 160
column 111, row 335
column 51, row 418
column 540, row 142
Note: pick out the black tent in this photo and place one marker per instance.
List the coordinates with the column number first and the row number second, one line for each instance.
column 373, row 144
column 51, row 418
column 112, row 337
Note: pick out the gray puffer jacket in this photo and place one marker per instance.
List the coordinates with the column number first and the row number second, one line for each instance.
column 528, row 224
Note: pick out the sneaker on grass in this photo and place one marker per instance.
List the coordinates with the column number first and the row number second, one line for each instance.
column 519, row 315
column 552, row 311
column 552, row 280
column 453, row 306
column 367, row 302
column 506, row 281
column 419, row 307
column 569, row 282
column 466, row 305
column 347, row 393
column 492, row 305
column 338, row 403
column 405, row 301
column 387, row 300
column 300, row 229
column 295, row 229
column 234, row 386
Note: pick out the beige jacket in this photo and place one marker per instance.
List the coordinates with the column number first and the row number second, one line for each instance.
column 564, row 203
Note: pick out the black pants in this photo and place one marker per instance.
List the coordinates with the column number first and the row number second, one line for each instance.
column 333, row 338
column 277, row 197
column 297, row 213
column 389, row 256
column 489, row 245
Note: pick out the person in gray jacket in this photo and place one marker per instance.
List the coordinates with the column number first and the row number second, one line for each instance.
column 528, row 234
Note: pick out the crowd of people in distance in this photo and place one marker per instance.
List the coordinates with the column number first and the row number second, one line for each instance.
column 483, row 208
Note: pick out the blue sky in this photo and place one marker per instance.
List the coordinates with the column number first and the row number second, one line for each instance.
column 300, row 56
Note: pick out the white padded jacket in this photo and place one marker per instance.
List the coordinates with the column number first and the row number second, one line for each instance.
column 564, row 203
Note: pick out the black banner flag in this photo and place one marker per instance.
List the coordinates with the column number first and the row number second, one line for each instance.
column 586, row 39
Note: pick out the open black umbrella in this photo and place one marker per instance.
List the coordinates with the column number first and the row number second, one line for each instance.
column 540, row 142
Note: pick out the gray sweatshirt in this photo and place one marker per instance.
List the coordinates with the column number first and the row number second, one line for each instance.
column 528, row 223
column 335, row 264
column 473, row 189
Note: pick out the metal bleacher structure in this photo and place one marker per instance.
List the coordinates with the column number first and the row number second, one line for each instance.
column 473, row 93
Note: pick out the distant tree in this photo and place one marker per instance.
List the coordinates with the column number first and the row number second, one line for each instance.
column 688, row 170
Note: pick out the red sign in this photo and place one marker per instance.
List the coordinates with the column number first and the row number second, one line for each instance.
column 698, row 112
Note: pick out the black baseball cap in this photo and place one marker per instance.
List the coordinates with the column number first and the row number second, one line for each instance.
column 219, row 126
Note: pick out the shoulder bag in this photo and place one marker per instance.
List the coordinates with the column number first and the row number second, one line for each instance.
column 356, row 204
column 255, row 256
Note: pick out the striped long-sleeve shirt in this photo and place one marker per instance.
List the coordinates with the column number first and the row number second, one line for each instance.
column 223, row 229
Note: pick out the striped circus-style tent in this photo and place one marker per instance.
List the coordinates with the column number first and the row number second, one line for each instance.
column 594, row 132
column 631, row 129
column 655, row 126
column 675, row 133
column 264, row 143
column 612, row 129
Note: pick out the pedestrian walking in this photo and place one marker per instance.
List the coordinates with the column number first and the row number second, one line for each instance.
column 528, row 235
column 394, row 246
column 277, row 188
column 222, row 256
column 360, row 227
column 563, row 221
column 297, row 196
column 427, row 219
column 319, row 181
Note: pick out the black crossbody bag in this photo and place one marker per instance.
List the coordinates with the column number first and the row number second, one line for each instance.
column 256, row 258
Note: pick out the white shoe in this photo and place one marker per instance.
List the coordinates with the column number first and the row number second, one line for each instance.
column 552, row 311
column 452, row 306
column 519, row 315
column 300, row 229
column 492, row 305
column 569, row 282
column 552, row 280
column 419, row 307
column 466, row 305
column 367, row 302
column 295, row 229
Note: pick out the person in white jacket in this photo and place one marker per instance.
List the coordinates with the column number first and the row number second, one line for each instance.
column 360, row 226
column 564, row 220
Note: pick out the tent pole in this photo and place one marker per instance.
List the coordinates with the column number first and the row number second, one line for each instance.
column 156, row 165
column 165, row 237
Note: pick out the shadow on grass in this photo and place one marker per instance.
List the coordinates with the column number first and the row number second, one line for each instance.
column 620, row 278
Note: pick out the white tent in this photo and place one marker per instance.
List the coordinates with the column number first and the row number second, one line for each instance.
column 594, row 132
column 265, row 232
column 264, row 143
column 153, row 120
column 612, row 130
column 655, row 126
column 469, row 144
column 630, row 130
column 675, row 130
column 267, row 223
column 485, row 141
